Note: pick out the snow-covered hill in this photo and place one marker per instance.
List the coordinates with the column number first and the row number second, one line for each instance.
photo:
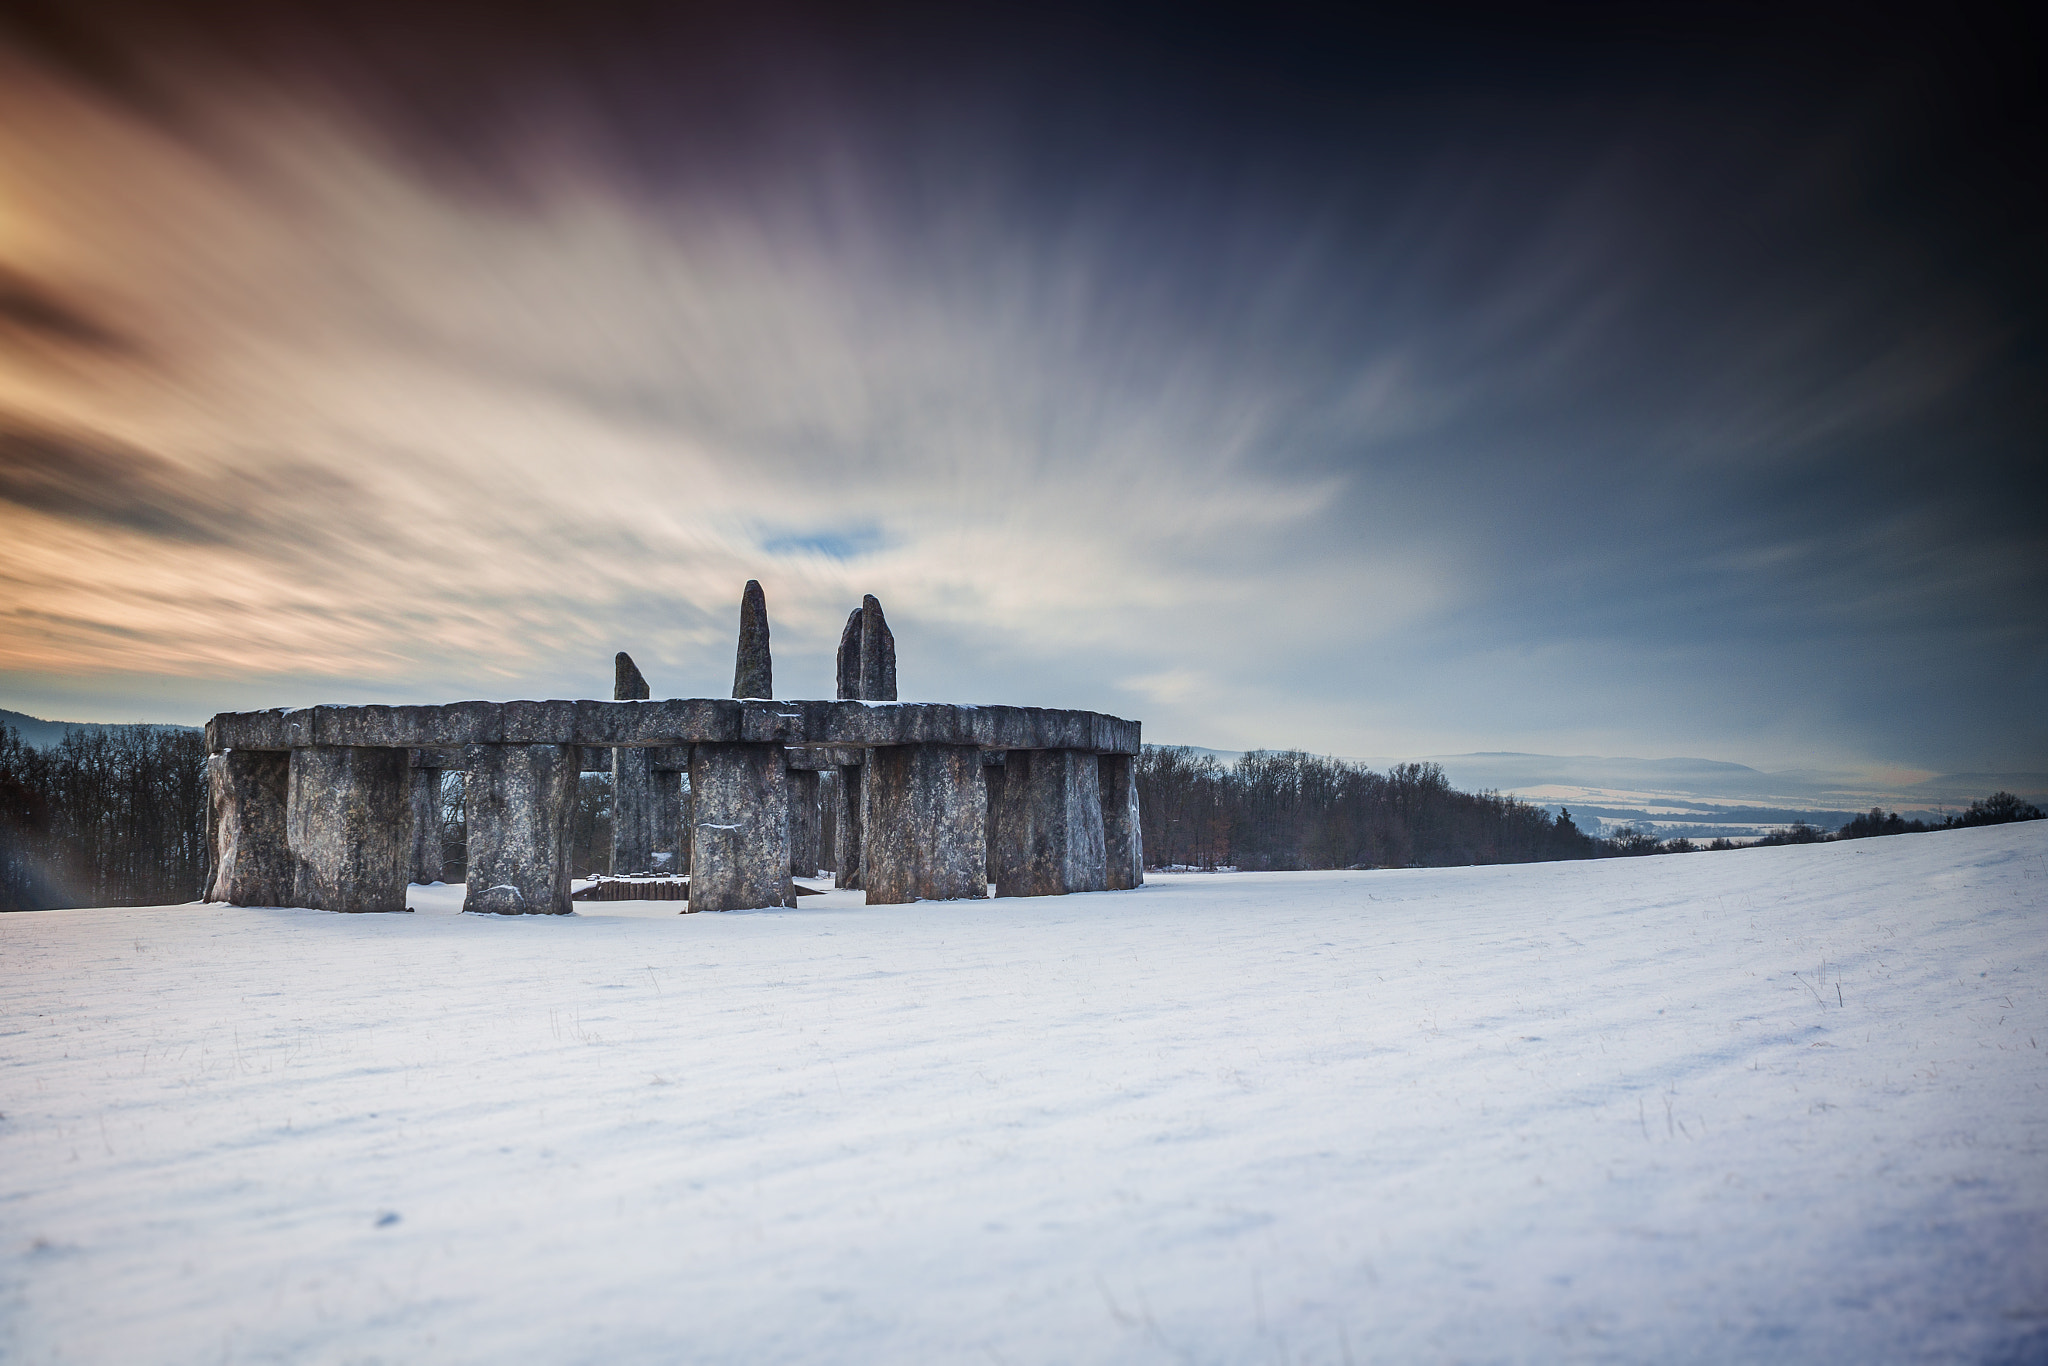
column 1774, row 1105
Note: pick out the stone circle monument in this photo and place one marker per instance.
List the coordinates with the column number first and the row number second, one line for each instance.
column 337, row 808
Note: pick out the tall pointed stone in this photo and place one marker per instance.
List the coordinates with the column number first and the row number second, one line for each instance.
column 849, row 657
column 877, row 653
column 627, row 684
column 752, row 675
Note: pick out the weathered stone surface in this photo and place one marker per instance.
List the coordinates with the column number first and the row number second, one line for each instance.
column 247, row 791
column 803, row 823
column 674, row 830
column 846, row 815
column 424, row 799
column 992, row 780
column 636, row 812
column 848, row 671
column 877, row 653
column 664, row 722
column 682, row 722
column 1123, row 839
column 1049, row 838
column 739, row 830
column 828, row 820
column 924, row 827
column 627, row 684
column 753, row 675
column 348, row 821
column 519, row 801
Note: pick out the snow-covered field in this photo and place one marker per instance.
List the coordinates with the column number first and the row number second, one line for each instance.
column 1783, row 1104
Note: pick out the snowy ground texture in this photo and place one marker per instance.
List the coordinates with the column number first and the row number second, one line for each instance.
column 1783, row 1104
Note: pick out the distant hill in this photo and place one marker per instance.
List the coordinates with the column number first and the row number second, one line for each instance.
column 40, row 734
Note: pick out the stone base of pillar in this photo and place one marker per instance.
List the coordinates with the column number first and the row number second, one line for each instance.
column 1049, row 825
column 847, row 817
column 251, row 861
column 425, row 801
column 803, row 823
column 739, row 831
column 925, row 830
column 348, row 821
column 1123, row 839
column 519, row 804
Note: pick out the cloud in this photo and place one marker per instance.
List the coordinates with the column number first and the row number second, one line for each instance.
column 1408, row 423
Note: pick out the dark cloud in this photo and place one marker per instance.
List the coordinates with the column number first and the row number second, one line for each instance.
column 91, row 479
column 38, row 312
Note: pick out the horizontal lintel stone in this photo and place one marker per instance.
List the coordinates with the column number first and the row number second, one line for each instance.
column 676, row 722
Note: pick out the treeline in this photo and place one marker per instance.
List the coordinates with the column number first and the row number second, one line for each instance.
column 2000, row 808
column 113, row 817
column 1290, row 810
column 1286, row 810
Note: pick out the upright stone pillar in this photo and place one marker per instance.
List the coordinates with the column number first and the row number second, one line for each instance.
column 753, row 672
column 636, row 811
column 348, row 820
column 867, row 655
column 877, row 653
column 926, row 813
column 424, row 797
column 803, row 822
column 636, row 801
column 247, row 792
column 1049, row 825
column 828, row 820
column 992, row 771
column 674, row 834
column 739, row 830
column 846, row 815
column 1123, row 840
column 519, row 803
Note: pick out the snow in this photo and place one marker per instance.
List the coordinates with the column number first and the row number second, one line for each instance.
column 1783, row 1104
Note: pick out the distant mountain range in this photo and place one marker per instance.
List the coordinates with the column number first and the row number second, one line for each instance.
column 40, row 734
column 1702, row 797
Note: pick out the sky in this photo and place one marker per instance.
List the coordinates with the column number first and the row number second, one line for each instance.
column 1595, row 383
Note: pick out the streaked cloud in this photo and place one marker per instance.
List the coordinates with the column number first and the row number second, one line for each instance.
column 1419, row 431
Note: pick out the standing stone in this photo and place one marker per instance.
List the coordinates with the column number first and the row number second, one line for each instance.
column 519, row 803
column 636, row 810
column 739, row 832
column 828, row 820
column 992, row 779
column 675, row 836
column 846, row 816
column 803, row 822
column 425, row 800
column 877, row 653
column 752, row 675
column 1049, row 837
column 926, row 813
column 636, row 800
column 348, row 821
column 627, row 684
column 247, row 790
column 1123, row 839
column 849, row 657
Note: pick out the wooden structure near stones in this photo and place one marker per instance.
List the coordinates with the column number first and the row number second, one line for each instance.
column 324, row 806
